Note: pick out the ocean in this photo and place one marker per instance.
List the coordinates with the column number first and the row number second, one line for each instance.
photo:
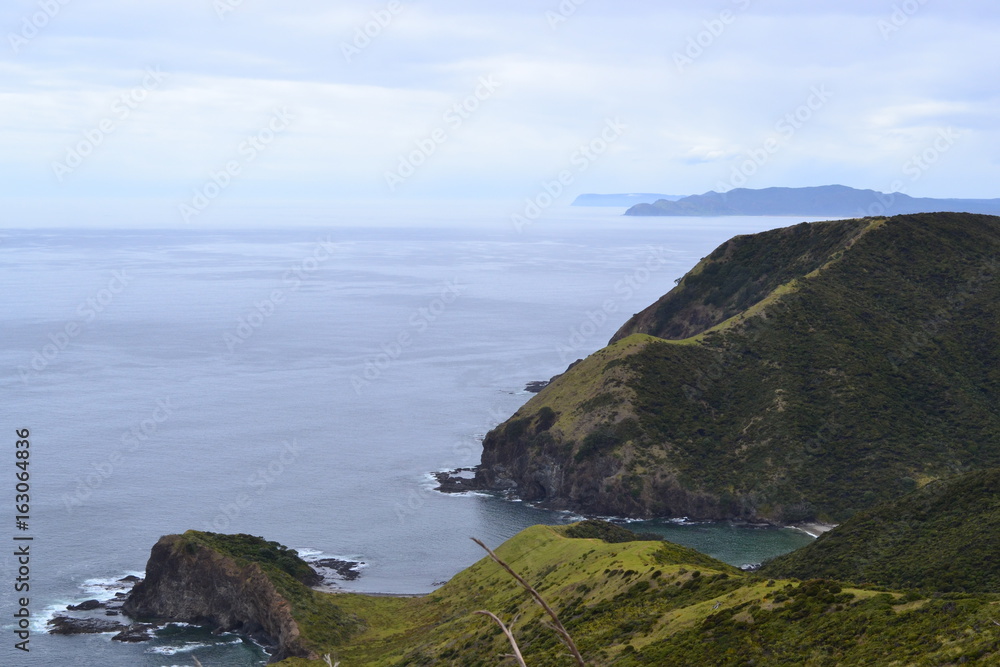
column 300, row 384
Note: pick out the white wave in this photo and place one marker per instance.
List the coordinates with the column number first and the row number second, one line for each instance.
column 188, row 648
column 311, row 555
column 100, row 588
column 40, row 623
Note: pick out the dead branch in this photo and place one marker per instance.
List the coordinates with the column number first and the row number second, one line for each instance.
column 510, row 636
column 557, row 624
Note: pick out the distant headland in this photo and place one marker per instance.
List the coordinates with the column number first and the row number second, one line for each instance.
column 827, row 200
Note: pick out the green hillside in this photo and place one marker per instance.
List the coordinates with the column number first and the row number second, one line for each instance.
column 654, row 603
column 808, row 372
column 943, row 537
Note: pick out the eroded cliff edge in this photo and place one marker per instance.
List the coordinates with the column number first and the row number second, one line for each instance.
column 238, row 583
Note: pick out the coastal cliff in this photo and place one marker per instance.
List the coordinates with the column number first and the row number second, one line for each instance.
column 236, row 583
column 802, row 373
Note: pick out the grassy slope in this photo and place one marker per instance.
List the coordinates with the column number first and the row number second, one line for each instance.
column 945, row 537
column 648, row 603
column 875, row 370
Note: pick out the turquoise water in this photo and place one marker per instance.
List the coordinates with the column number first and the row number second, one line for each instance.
column 736, row 544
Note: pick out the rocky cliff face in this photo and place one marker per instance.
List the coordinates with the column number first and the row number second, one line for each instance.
column 190, row 582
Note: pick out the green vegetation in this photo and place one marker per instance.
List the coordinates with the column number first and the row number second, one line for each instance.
column 609, row 532
column 829, row 367
column 740, row 273
column 247, row 548
column 655, row 603
column 944, row 537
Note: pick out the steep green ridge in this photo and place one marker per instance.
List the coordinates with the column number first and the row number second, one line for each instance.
column 741, row 273
column 943, row 537
column 865, row 361
column 650, row 603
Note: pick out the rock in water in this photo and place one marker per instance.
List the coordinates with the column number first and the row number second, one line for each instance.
column 89, row 605
column 187, row 580
column 134, row 634
column 65, row 625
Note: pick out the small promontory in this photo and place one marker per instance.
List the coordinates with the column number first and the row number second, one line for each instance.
column 243, row 584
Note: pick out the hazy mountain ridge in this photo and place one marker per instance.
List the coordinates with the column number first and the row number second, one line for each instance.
column 822, row 368
column 821, row 201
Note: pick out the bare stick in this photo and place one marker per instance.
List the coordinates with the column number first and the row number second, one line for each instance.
column 510, row 636
column 558, row 626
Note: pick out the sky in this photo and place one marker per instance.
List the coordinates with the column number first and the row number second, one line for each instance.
column 174, row 113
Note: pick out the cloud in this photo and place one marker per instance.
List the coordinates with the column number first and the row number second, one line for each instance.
column 355, row 117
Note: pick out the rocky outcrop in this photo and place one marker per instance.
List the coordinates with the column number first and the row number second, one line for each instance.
column 68, row 625
column 190, row 582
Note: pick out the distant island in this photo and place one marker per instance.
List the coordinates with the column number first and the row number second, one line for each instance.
column 827, row 200
column 622, row 199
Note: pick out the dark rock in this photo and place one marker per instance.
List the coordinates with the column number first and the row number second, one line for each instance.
column 67, row 625
column 89, row 605
column 348, row 570
column 133, row 634
column 536, row 386
column 453, row 481
column 130, row 579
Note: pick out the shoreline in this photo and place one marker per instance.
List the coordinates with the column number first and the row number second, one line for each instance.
column 813, row 528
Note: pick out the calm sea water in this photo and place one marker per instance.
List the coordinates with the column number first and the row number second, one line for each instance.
column 299, row 385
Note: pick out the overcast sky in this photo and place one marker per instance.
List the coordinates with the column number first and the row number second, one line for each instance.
column 174, row 112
